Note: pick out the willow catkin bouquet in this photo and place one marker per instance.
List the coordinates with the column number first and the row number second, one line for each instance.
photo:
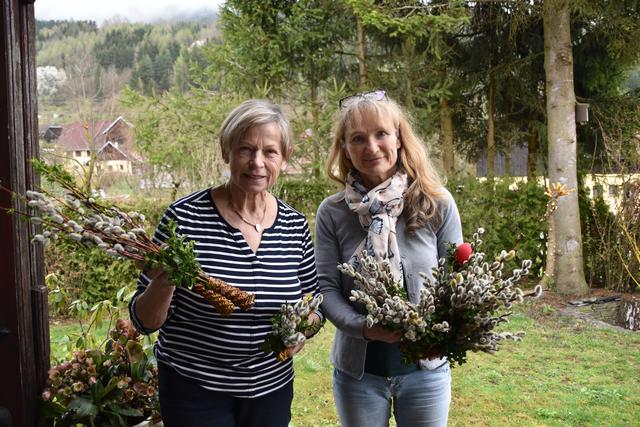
column 76, row 216
column 457, row 310
column 291, row 325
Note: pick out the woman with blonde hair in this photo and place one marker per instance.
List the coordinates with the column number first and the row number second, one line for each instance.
column 393, row 206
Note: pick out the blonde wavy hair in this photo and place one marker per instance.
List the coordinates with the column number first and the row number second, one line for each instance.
column 423, row 181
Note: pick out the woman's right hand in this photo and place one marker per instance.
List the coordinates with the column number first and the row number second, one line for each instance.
column 152, row 305
column 159, row 277
column 378, row 333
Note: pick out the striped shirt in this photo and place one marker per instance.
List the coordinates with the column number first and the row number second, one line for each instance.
column 223, row 353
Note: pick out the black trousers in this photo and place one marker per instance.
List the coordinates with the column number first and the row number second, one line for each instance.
column 183, row 403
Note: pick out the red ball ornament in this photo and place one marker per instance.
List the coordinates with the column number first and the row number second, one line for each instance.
column 463, row 253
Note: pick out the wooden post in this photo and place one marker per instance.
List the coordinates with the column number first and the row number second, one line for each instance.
column 24, row 329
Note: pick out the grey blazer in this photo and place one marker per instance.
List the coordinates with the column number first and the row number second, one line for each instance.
column 338, row 233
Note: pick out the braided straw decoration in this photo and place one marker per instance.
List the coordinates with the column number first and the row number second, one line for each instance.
column 222, row 304
column 283, row 355
column 242, row 299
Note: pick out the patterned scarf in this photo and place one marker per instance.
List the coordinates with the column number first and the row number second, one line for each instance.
column 378, row 210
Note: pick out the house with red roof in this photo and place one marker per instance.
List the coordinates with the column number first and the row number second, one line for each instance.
column 111, row 141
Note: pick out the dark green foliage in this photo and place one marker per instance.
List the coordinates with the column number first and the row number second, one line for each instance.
column 51, row 29
column 84, row 273
column 598, row 233
column 513, row 219
column 608, row 253
column 117, row 48
column 149, row 51
column 304, row 195
column 177, row 258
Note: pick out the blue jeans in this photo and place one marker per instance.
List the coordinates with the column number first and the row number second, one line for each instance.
column 183, row 403
column 420, row 398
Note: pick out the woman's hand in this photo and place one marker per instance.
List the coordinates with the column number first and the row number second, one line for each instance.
column 159, row 277
column 291, row 351
column 378, row 333
column 152, row 306
column 313, row 319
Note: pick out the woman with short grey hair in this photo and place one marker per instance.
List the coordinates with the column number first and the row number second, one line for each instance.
column 212, row 370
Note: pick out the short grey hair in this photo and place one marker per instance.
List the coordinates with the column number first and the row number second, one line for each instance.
column 254, row 112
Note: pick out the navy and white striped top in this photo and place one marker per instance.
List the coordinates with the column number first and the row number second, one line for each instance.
column 223, row 353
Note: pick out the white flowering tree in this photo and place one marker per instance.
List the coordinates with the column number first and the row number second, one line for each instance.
column 50, row 80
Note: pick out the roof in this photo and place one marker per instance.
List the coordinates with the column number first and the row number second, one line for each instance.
column 110, row 152
column 83, row 136
column 51, row 133
column 88, row 135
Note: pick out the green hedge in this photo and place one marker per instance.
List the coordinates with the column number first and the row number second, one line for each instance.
column 602, row 242
column 512, row 218
column 305, row 195
column 511, row 213
column 79, row 273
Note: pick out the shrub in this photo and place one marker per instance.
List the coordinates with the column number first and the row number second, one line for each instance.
column 304, row 195
column 512, row 211
column 75, row 272
column 610, row 255
column 115, row 385
column 597, row 224
column 89, row 274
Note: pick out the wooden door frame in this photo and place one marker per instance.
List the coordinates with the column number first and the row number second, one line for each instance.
column 24, row 324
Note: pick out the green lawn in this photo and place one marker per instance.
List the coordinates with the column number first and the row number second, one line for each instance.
column 565, row 373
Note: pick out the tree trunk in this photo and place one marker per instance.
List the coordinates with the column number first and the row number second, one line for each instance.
column 90, row 133
column 491, row 143
column 532, row 154
column 361, row 54
column 408, row 53
column 558, row 64
column 446, row 130
column 315, row 120
column 175, row 186
column 507, row 158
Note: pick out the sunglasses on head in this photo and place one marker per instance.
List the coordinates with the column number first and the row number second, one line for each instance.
column 375, row 95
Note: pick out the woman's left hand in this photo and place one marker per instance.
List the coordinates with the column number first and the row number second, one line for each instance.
column 311, row 320
column 291, row 351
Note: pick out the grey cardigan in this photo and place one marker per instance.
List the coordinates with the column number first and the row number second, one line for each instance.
column 338, row 233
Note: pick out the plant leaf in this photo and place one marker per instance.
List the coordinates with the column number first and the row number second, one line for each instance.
column 83, row 407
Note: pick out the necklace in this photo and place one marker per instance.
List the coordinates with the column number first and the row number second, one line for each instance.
column 256, row 225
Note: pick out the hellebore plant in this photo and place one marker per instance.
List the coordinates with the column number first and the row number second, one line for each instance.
column 111, row 386
column 458, row 308
column 78, row 217
column 291, row 325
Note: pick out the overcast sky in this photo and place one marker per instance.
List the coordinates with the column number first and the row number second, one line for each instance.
column 133, row 10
